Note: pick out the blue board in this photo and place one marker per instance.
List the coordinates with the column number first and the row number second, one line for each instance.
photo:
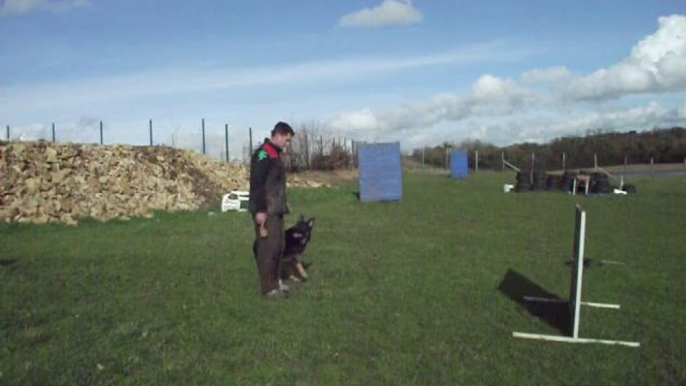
column 458, row 164
column 380, row 172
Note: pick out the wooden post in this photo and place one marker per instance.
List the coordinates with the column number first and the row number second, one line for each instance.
column 150, row 124
column 652, row 166
column 101, row 141
column 306, row 148
column 533, row 161
column 226, row 140
column 447, row 158
column 53, row 132
column 595, row 162
column 564, row 161
column 476, row 166
column 353, row 152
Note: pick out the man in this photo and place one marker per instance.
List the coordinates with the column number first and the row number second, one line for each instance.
column 268, row 205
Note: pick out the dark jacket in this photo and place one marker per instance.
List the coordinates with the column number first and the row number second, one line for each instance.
column 268, row 181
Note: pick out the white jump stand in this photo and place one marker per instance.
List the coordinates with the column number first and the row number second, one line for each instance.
column 574, row 300
column 578, row 179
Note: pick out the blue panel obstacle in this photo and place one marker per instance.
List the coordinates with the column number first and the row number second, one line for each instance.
column 458, row 164
column 380, row 172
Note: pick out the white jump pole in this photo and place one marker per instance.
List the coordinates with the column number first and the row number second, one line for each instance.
column 566, row 339
column 588, row 304
column 574, row 300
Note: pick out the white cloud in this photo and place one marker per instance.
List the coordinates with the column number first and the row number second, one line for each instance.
column 551, row 75
column 489, row 96
column 512, row 116
column 390, row 12
column 532, row 127
column 546, row 102
column 681, row 111
column 656, row 64
column 544, row 128
column 490, row 89
column 24, row 7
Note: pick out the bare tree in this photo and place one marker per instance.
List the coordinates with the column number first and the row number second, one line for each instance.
column 313, row 149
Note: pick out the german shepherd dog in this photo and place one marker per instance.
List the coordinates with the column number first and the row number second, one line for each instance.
column 297, row 237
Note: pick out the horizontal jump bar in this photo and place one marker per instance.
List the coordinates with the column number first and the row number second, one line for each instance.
column 566, row 339
column 590, row 304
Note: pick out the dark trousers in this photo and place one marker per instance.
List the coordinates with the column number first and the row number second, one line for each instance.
column 269, row 251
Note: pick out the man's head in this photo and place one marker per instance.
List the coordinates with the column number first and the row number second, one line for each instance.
column 282, row 135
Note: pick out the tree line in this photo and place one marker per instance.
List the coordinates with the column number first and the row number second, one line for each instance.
column 611, row 148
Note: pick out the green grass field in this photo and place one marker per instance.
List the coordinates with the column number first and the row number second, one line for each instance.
column 421, row 292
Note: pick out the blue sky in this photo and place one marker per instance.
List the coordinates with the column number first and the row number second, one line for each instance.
column 421, row 72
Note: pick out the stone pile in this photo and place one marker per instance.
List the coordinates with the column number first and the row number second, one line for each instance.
column 43, row 182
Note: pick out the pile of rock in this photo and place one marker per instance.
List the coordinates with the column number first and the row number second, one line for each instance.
column 42, row 182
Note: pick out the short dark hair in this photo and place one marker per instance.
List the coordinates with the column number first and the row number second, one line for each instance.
column 282, row 128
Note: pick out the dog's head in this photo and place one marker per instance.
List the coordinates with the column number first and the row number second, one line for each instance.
column 302, row 230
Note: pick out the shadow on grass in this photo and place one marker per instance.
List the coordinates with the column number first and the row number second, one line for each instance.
column 515, row 286
column 7, row 262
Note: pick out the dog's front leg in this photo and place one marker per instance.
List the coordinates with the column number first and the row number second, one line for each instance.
column 301, row 270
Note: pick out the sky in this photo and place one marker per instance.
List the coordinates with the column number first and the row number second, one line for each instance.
column 421, row 72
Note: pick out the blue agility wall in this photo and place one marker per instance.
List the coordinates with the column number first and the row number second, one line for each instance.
column 380, row 172
column 458, row 164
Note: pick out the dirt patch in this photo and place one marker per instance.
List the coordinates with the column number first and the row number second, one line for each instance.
column 323, row 178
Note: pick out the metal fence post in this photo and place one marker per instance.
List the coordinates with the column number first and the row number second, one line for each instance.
column 250, row 134
column 53, row 132
column 203, row 136
column 226, row 140
column 150, row 121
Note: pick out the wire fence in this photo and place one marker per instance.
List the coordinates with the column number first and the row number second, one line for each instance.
column 310, row 150
column 489, row 161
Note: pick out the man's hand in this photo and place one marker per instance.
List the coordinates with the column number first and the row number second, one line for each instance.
column 260, row 218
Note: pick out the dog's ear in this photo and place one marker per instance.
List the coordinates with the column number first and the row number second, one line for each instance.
column 310, row 222
column 301, row 218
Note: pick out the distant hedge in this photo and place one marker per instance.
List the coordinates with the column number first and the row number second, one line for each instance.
column 612, row 148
